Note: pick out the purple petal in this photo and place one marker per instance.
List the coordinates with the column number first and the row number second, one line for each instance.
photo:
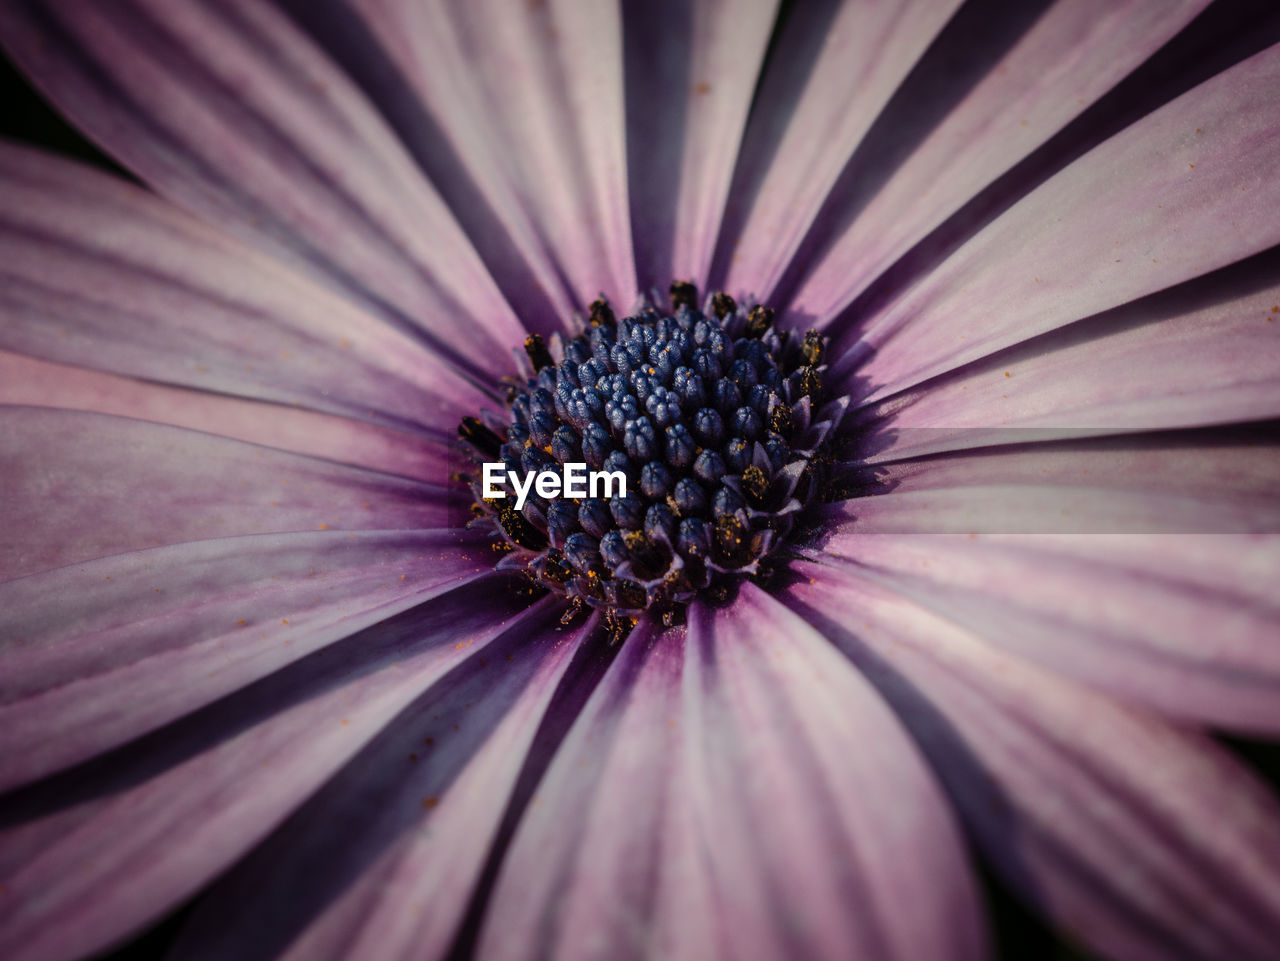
column 833, row 69
column 152, row 824
column 232, row 113
column 100, row 273
column 1199, row 354
column 1182, row 192
column 611, row 829
column 737, row 791
column 81, row 485
column 691, row 71
column 1144, row 840
column 1208, row 482
column 531, row 96
column 1153, row 619
column 1072, row 54
column 105, row 651
column 335, row 882
column 26, row 382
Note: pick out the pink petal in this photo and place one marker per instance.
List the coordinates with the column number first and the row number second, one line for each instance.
column 736, row 791
column 232, row 113
column 80, row 485
column 1072, row 54
column 1164, row 620
column 1209, row 482
column 99, row 653
column 1199, row 354
column 612, row 829
column 691, row 71
column 1145, row 841
column 335, row 882
column 134, row 836
column 1184, row 191
column 99, row 273
column 831, row 72
column 27, row 382
column 529, row 97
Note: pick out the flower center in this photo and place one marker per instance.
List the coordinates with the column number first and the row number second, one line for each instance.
column 716, row 420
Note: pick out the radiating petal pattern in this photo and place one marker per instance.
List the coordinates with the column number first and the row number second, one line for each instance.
column 691, row 71
column 834, row 67
column 336, row 882
column 1148, row 618
column 267, row 670
column 632, row 876
column 172, row 811
column 229, row 110
column 102, row 274
column 711, row 781
column 27, row 382
column 1181, row 193
column 1211, row 482
column 541, row 125
column 1199, row 354
column 81, row 485
column 141, row 638
column 1069, row 54
column 1144, row 840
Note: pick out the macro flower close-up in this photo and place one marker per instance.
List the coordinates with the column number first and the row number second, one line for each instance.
column 646, row 479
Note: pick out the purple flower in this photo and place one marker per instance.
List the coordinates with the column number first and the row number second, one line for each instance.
column 976, row 572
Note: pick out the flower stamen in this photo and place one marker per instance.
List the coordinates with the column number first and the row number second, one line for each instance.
column 715, row 418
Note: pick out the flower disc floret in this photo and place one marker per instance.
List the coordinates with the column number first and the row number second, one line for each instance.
column 717, row 419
